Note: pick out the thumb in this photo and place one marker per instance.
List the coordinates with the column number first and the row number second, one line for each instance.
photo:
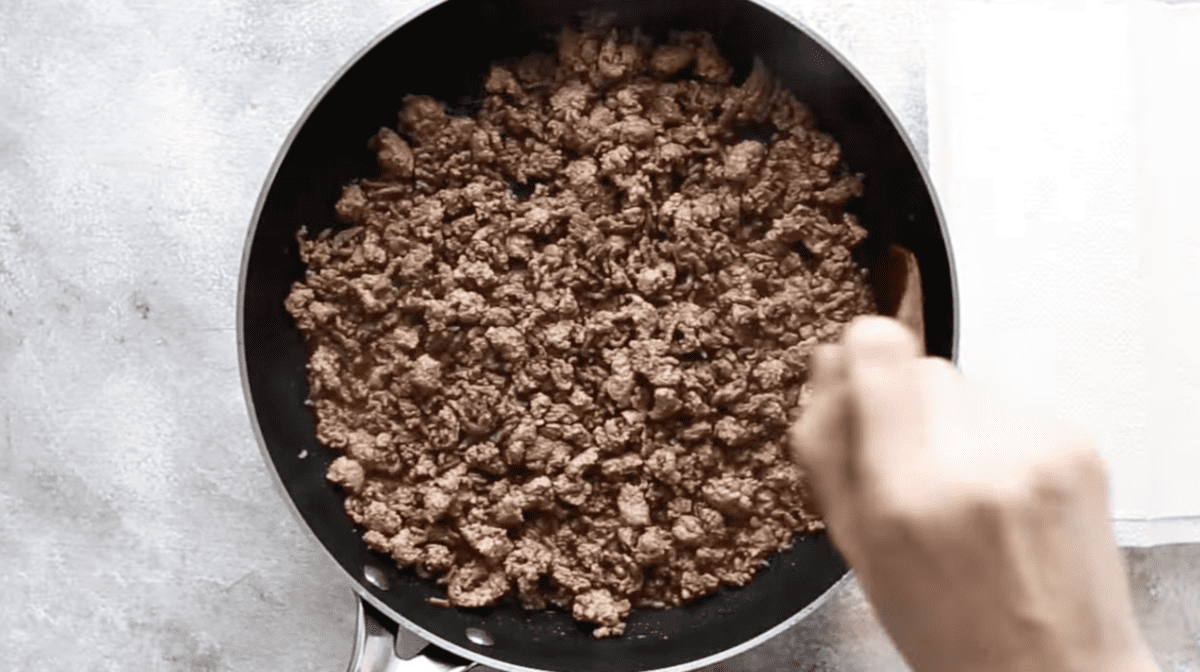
column 881, row 371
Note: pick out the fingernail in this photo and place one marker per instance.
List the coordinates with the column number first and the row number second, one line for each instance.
column 879, row 339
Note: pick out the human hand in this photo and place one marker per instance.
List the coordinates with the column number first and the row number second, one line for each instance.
column 979, row 533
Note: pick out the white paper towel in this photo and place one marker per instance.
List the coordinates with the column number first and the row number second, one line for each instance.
column 1064, row 145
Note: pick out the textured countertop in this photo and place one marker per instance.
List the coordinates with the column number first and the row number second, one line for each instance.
column 139, row 528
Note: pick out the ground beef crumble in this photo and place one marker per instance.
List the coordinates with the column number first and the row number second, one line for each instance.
column 558, row 343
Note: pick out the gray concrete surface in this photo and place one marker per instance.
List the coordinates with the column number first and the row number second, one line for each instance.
column 138, row 526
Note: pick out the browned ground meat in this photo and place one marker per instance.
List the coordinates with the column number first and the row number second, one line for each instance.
column 558, row 344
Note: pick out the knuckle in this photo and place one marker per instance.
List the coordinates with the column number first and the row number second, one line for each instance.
column 1084, row 459
column 1067, row 476
column 982, row 500
column 1050, row 481
column 1078, row 460
column 894, row 509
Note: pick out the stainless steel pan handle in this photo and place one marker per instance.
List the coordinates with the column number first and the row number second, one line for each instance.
column 380, row 646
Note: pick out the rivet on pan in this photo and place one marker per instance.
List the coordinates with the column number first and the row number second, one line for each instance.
column 375, row 577
column 303, row 454
column 480, row 637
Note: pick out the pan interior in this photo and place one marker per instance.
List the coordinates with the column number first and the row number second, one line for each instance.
column 445, row 53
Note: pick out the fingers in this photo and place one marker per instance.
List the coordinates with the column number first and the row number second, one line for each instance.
column 809, row 436
column 820, row 439
column 866, row 408
column 820, row 444
column 828, row 367
column 874, row 338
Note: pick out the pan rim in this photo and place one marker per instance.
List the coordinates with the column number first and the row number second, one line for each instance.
column 277, row 482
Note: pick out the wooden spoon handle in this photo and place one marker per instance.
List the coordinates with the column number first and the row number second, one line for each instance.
column 896, row 279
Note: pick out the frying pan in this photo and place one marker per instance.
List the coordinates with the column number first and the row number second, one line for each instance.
column 444, row 51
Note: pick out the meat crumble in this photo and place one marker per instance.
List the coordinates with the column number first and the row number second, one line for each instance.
column 559, row 342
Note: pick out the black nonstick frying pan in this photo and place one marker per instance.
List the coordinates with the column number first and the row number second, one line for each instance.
column 444, row 51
